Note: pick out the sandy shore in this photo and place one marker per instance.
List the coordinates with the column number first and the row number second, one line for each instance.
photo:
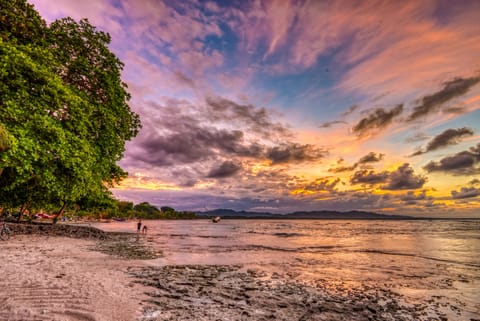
column 66, row 279
column 57, row 278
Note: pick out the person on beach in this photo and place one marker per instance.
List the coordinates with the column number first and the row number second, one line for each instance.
column 139, row 226
column 144, row 230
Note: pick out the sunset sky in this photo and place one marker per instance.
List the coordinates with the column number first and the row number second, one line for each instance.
column 282, row 106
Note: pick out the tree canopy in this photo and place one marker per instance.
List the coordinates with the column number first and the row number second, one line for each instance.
column 64, row 112
column 4, row 140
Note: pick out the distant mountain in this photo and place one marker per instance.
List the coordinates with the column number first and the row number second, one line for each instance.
column 232, row 214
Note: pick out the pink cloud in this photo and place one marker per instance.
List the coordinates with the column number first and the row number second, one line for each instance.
column 100, row 12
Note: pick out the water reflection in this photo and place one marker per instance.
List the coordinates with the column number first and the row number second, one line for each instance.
column 414, row 257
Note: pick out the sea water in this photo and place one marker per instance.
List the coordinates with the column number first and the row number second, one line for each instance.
column 418, row 258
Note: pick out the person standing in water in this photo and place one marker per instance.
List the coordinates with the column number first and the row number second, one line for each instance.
column 139, row 225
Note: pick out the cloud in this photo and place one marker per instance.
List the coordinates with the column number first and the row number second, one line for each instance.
column 185, row 80
column 446, row 138
column 179, row 133
column 225, row 169
column 474, row 181
column 411, row 198
column 430, row 45
column 342, row 169
column 365, row 176
column 101, row 13
column 371, row 157
column 418, row 137
column 377, row 119
column 462, row 163
column 293, row 152
column 404, row 178
column 192, row 143
column 329, row 124
column 350, row 110
column 256, row 118
column 466, row 192
column 322, row 184
column 451, row 89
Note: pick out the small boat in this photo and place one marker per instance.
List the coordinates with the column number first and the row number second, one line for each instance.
column 119, row 219
column 216, row 219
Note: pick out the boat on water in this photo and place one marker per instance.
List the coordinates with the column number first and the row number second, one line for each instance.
column 216, row 219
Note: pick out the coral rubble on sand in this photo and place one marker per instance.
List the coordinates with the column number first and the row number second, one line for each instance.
column 203, row 292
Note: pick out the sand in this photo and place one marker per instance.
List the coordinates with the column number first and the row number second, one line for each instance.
column 66, row 279
column 58, row 278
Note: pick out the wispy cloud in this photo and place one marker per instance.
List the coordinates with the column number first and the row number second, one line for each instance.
column 451, row 89
column 446, row 138
column 371, row 157
column 377, row 119
column 329, row 124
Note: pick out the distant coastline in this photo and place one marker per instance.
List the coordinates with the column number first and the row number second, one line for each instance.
column 317, row 215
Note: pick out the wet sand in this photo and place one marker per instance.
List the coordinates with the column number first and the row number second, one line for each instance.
column 201, row 293
column 58, row 278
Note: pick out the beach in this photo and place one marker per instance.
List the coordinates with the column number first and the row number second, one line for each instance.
column 124, row 276
column 60, row 278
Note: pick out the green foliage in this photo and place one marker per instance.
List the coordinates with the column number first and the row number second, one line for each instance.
column 63, row 109
column 20, row 23
column 167, row 209
column 124, row 207
column 145, row 210
column 4, row 139
column 86, row 64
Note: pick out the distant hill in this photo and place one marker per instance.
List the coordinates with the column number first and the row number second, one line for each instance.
column 232, row 214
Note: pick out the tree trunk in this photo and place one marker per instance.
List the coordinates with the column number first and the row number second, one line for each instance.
column 60, row 213
column 20, row 212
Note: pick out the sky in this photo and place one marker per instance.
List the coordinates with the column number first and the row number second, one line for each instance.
column 284, row 106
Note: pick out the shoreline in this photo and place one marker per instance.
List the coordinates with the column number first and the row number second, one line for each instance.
column 50, row 277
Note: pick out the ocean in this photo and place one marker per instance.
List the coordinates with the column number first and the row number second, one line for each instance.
column 420, row 259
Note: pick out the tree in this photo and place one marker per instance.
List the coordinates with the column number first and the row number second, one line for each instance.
column 124, row 207
column 86, row 64
column 4, row 139
column 21, row 23
column 64, row 107
column 166, row 209
column 146, row 210
column 4, row 143
column 48, row 160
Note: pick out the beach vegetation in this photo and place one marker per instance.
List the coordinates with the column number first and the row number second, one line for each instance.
column 127, row 210
column 64, row 113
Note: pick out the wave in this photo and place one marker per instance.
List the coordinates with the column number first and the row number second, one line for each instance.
column 330, row 249
column 200, row 236
column 417, row 256
column 284, row 234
